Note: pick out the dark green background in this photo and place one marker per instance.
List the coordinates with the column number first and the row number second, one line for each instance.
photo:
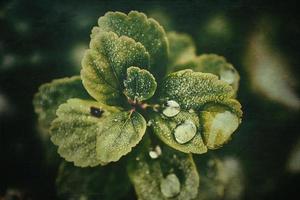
column 41, row 34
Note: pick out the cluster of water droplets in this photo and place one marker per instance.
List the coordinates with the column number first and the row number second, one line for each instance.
column 185, row 131
column 155, row 153
column 218, row 126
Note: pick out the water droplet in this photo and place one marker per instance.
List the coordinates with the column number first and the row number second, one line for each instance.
column 149, row 123
column 185, row 132
column 227, row 75
column 172, row 108
column 170, row 186
column 153, row 154
column 191, row 111
column 158, row 150
column 96, row 112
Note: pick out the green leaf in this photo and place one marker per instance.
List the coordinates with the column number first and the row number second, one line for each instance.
column 75, row 130
column 191, row 90
column 231, row 105
column 51, row 95
column 118, row 134
column 219, row 121
column 98, row 183
column 145, row 30
column 182, row 50
column 212, row 63
column 173, row 175
column 204, row 96
column 104, row 65
column 140, row 84
column 215, row 123
column 164, row 127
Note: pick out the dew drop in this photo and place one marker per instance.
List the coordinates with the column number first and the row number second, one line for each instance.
column 96, row 112
column 170, row 186
column 185, row 132
column 191, row 110
column 227, row 75
column 158, row 150
column 149, row 123
column 172, row 108
column 155, row 153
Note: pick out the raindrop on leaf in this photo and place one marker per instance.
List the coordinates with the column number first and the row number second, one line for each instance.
column 172, row 108
column 228, row 75
column 185, row 132
column 155, row 153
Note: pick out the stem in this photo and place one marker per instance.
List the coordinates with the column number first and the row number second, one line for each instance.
column 136, row 104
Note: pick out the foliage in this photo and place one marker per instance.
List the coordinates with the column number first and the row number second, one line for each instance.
column 125, row 87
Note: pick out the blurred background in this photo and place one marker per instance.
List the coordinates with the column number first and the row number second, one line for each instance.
column 41, row 40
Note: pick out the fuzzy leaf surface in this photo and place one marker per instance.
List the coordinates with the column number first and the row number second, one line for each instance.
column 118, row 134
column 140, row 84
column 215, row 64
column 145, row 30
column 104, row 65
column 191, row 90
column 75, row 131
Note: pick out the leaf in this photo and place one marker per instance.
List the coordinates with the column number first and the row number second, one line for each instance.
column 104, row 65
column 51, row 95
column 140, row 84
column 164, row 128
column 145, row 30
column 215, row 123
column 98, row 183
column 231, row 105
column 75, row 130
column 191, row 90
column 219, row 121
column 173, row 175
column 182, row 50
column 118, row 134
column 212, row 63
column 201, row 94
